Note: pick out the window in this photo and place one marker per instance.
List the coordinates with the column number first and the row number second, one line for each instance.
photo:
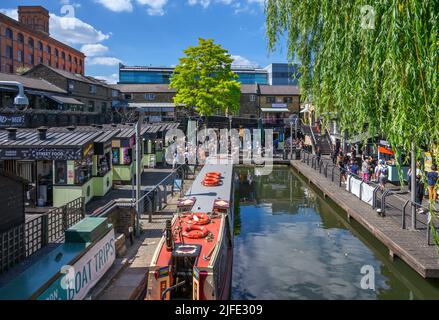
column 9, row 34
column 149, row 96
column 128, row 96
column 40, row 46
column 71, row 85
column 271, row 99
column 63, row 55
column 252, row 98
column 92, row 89
column 75, row 61
column 70, row 58
column 30, row 58
column 30, row 43
column 9, row 53
column 104, row 107
column 20, row 38
column 40, row 59
column 91, row 106
column 288, row 99
column 56, row 53
column 48, row 49
column 114, row 93
column 20, row 56
column 60, row 172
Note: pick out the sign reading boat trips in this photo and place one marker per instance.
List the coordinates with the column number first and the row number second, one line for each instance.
column 77, row 280
column 7, row 120
column 41, row 154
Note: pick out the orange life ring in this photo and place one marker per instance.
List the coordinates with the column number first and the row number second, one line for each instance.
column 213, row 175
column 211, row 182
column 195, row 232
column 201, row 218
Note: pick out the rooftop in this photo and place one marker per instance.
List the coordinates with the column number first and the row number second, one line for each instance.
column 32, row 83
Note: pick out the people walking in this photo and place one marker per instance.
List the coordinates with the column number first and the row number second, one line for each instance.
column 382, row 174
column 432, row 178
column 365, row 169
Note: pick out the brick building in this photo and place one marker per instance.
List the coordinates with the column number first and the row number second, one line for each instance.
column 96, row 95
column 27, row 42
column 269, row 102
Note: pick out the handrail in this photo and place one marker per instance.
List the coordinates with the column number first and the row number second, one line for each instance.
column 172, row 288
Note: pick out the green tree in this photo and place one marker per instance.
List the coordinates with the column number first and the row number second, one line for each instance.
column 204, row 80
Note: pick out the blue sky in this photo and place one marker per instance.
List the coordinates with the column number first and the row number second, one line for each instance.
column 154, row 32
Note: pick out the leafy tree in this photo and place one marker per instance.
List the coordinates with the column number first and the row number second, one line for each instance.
column 373, row 62
column 204, row 80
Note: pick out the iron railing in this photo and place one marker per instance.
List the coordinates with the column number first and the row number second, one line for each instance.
column 377, row 202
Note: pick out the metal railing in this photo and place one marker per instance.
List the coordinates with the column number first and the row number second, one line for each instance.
column 37, row 232
column 153, row 199
column 322, row 166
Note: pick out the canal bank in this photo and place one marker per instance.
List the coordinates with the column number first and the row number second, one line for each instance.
column 409, row 245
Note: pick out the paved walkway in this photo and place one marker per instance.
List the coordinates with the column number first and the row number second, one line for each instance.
column 410, row 245
column 126, row 280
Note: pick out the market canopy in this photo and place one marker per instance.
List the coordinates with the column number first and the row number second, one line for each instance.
column 65, row 100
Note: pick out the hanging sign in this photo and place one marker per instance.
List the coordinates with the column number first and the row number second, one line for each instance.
column 40, row 154
column 7, row 120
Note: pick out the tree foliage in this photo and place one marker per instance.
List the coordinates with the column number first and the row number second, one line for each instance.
column 204, row 80
column 384, row 72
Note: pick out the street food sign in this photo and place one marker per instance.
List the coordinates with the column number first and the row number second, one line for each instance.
column 59, row 154
column 76, row 280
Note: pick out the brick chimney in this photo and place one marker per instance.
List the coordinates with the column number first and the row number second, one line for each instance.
column 35, row 17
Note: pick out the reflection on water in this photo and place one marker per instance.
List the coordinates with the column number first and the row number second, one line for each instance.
column 291, row 244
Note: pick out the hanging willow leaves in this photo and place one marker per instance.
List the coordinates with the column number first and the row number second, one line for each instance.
column 370, row 62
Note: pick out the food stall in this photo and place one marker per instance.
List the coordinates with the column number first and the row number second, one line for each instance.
column 103, row 163
column 154, row 144
column 63, row 162
column 385, row 152
column 123, row 155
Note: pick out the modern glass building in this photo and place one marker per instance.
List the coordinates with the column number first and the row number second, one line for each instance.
column 274, row 74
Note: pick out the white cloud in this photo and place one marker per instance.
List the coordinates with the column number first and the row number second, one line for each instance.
column 155, row 7
column 11, row 13
column 93, row 50
column 74, row 30
column 117, row 5
column 103, row 61
column 241, row 61
column 203, row 3
column 70, row 30
column 111, row 79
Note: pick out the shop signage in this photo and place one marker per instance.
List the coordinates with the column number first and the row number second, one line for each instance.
column 40, row 154
column 76, row 280
column 7, row 120
column 88, row 150
column 279, row 105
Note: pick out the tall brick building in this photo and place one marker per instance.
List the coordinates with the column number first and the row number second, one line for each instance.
column 27, row 42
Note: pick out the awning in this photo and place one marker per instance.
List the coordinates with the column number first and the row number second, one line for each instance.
column 65, row 100
column 275, row 110
column 385, row 151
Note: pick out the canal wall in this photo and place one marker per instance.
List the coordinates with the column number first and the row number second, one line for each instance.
column 409, row 245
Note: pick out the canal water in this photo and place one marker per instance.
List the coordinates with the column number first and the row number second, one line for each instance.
column 291, row 243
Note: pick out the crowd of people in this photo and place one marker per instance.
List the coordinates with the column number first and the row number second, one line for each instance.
column 371, row 169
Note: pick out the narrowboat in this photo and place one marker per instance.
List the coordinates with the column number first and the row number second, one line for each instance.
column 193, row 260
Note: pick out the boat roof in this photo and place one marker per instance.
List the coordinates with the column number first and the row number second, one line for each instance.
column 205, row 196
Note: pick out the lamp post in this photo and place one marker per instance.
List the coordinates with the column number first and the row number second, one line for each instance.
column 139, row 170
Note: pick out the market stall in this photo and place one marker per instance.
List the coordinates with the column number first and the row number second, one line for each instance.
column 62, row 162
